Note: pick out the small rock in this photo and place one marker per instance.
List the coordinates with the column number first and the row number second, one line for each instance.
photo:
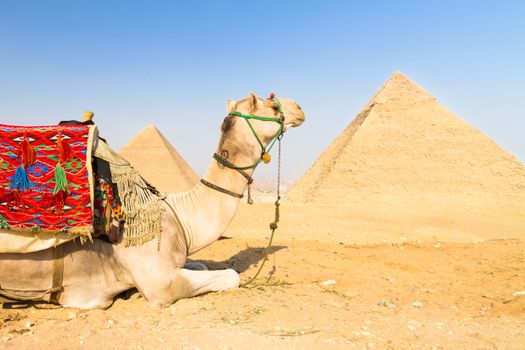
column 386, row 303
column 232, row 322
column 518, row 293
column 417, row 304
column 413, row 325
column 19, row 331
column 110, row 322
column 7, row 337
column 328, row 283
column 370, row 346
column 172, row 310
column 437, row 245
column 29, row 324
column 71, row 315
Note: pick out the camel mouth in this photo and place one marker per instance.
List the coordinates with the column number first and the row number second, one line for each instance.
column 293, row 124
column 298, row 120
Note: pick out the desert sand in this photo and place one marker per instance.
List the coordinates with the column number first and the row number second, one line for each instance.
column 314, row 293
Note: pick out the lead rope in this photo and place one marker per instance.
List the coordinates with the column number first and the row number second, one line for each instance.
column 274, row 224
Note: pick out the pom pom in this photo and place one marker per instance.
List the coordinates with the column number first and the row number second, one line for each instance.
column 272, row 96
column 26, row 153
column 64, row 150
column 266, row 158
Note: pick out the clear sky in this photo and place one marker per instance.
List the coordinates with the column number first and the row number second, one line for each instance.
column 175, row 63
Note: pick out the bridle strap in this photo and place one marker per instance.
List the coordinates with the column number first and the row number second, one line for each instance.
column 230, row 165
column 220, row 189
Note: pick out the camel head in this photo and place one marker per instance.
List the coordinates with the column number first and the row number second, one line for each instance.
column 275, row 113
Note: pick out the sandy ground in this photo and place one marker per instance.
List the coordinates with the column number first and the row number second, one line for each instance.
column 400, row 289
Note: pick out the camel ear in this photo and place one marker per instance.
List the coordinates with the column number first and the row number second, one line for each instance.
column 253, row 102
column 230, row 105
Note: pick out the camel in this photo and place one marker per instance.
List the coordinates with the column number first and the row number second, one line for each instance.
column 95, row 272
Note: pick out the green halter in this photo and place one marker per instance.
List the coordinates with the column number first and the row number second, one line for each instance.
column 264, row 150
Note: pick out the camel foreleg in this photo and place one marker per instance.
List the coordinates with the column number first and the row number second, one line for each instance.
column 189, row 283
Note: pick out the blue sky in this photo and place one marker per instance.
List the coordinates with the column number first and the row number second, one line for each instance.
column 175, row 63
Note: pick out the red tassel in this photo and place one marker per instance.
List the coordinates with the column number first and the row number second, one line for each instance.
column 54, row 203
column 7, row 197
column 60, row 200
column 64, row 150
column 27, row 152
column 14, row 200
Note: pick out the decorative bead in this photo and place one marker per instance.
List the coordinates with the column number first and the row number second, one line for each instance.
column 266, row 158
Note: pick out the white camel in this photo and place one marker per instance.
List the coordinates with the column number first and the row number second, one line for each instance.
column 94, row 273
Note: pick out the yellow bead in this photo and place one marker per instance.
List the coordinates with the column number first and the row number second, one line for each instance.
column 266, row 158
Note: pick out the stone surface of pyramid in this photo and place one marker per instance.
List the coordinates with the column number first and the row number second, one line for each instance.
column 158, row 162
column 405, row 154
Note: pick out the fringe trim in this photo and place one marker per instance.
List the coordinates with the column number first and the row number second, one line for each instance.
column 141, row 206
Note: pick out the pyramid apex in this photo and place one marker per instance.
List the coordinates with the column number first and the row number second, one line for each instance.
column 400, row 88
column 156, row 159
column 398, row 74
column 149, row 131
column 151, row 127
column 399, row 77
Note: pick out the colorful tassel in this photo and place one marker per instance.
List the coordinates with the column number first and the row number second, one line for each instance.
column 63, row 149
column 61, row 190
column 20, row 180
column 17, row 200
column 13, row 199
column 60, row 179
column 26, row 152
column 59, row 200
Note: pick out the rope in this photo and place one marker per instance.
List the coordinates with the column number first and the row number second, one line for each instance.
column 274, row 224
column 182, row 230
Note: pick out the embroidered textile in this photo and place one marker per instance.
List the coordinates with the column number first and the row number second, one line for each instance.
column 46, row 179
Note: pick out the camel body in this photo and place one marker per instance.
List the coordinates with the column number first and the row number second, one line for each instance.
column 95, row 272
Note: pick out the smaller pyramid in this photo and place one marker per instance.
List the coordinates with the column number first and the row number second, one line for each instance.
column 158, row 162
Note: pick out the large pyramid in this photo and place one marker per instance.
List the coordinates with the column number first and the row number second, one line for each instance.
column 405, row 154
column 158, row 162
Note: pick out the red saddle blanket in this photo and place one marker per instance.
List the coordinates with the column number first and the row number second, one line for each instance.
column 46, row 179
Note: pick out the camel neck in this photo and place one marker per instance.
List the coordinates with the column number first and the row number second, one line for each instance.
column 206, row 213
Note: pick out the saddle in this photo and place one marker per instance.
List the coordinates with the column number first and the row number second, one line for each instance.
column 63, row 182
